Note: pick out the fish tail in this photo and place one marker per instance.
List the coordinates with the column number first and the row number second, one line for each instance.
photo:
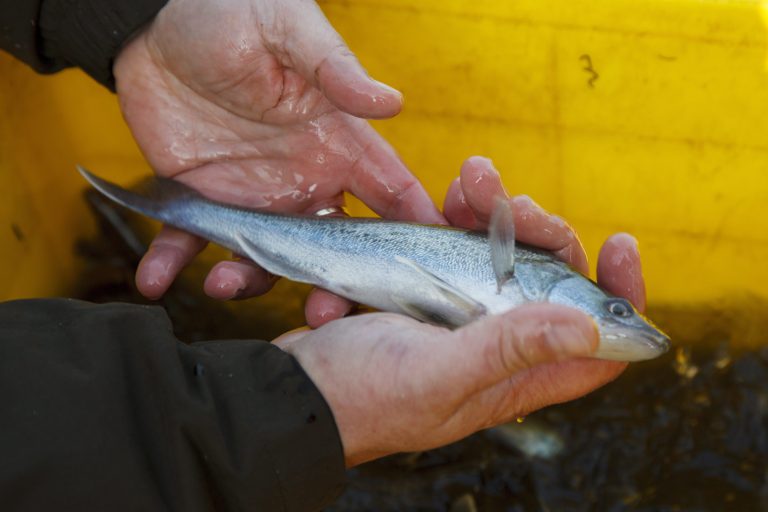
column 151, row 197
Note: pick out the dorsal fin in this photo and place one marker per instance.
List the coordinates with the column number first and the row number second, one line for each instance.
column 501, row 237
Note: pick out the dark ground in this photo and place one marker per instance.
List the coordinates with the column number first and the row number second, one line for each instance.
column 686, row 432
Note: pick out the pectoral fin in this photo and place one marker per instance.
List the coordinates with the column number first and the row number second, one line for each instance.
column 446, row 305
column 501, row 236
column 273, row 262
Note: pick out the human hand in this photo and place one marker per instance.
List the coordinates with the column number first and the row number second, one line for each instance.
column 469, row 204
column 258, row 103
column 395, row 384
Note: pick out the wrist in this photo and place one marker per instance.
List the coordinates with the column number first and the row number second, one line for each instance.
column 357, row 433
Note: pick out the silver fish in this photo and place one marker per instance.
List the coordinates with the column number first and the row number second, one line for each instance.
column 442, row 275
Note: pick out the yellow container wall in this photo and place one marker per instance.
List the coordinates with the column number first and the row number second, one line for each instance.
column 642, row 116
column 49, row 124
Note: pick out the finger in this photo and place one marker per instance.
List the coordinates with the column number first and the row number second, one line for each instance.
column 455, row 207
column 328, row 207
column 481, row 184
column 169, row 253
column 538, row 387
column 323, row 306
column 561, row 382
column 237, row 280
column 381, row 180
column 537, row 227
column 503, row 345
column 285, row 340
column 619, row 270
column 322, row 57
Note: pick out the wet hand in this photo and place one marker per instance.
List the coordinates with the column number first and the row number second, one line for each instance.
column 261, row 104
column 469, row 204
column 395, row 384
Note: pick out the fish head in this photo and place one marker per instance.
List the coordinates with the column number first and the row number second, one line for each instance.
column 625, row 334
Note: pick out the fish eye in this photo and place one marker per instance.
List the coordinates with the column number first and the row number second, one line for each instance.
column 620, row 308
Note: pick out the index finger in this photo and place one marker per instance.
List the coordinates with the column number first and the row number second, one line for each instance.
column 382, row 181
column 619, row 270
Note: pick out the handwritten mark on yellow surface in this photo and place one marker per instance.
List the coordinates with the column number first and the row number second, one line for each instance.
column 589, row 68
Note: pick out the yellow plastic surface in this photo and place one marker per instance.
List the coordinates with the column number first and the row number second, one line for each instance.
column 623, row 115
column 47, row 125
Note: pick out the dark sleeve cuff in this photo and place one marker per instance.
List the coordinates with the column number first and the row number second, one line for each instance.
column 104, row 409
column 90, row 33
column 18, row 32
column 283, row 424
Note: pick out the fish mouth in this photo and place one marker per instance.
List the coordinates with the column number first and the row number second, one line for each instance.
column 630, row 345
column 658, row 342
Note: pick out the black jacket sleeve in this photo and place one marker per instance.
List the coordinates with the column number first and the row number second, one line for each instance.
column 53, row 34
column 101, row 408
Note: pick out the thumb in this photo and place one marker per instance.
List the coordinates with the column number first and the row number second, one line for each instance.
column 499, row 346
column 318, row 53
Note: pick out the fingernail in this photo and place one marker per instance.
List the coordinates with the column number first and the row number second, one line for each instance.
column 491, row 167
column 389, row 89
column 634, row 241
column 483, row 162
column 526, row 200
column 624, row 242
column 230, row 279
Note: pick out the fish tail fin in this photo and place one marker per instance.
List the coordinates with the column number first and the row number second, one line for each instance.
column 151, row 197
